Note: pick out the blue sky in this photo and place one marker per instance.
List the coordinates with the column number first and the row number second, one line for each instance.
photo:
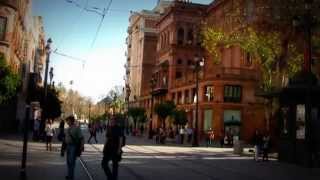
column 73, row 30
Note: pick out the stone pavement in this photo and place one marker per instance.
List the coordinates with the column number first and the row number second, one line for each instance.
column 145, row 160
column 41, row 164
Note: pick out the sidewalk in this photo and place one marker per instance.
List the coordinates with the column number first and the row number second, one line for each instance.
column 41, row 164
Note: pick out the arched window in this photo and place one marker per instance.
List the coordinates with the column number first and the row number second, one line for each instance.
column 190, row 36
column 180, row 36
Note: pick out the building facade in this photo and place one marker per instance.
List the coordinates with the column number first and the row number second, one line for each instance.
column 141, row 52
column 22, row 42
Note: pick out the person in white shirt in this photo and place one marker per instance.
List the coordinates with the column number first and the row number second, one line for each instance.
column 49, row 133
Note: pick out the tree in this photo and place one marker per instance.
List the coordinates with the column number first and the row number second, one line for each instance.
column 268, row 35
column 180, row 117
column 163, row 110
column 9, row 82
column 137, row 114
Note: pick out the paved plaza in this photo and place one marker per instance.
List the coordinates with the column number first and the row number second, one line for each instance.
column 144, row 160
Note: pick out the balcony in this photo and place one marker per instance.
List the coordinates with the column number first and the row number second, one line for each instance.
column 11, row 3
column 235, row 74
column 160, row 89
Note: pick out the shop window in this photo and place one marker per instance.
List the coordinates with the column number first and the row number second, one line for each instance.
column 209, row 93
column 180, row 36
column 232, row 93
column 208, row 115
column 178, row 75
column 3, row 27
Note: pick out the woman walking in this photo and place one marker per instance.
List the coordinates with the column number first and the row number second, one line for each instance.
column 49, row 134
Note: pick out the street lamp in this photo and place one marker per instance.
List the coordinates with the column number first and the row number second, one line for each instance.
column 152, row 85
column 198, row 64
column 48, row 52
column 51, row 75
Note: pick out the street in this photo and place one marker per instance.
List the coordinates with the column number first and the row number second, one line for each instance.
column 144, row 160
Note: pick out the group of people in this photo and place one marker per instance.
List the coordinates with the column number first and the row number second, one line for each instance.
column 72, row 144
column 261, row 145
column 180, row 134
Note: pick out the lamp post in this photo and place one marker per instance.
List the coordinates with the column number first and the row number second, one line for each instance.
column 198, row 64
column 152, row 85
column 128, row 92
column 48, row 52
column 51, row 75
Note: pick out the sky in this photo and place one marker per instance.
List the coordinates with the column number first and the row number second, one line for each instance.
column 73, row 31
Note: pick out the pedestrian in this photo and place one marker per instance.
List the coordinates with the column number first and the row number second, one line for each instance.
column 74, row 146
column 61, row 134
column 36, row 128
column 257, row 141
column 142, row 130
column 265, row 147
column 189, row 134
column 208, row 138
column 182, row 132
column 93, row 133
column 112, row 150
column 49, row 134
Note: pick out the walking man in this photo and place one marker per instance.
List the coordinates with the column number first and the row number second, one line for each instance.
column 93, row 133
column 112, row 150
column 74, row 146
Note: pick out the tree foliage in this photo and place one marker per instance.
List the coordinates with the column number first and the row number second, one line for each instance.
column 9, row 82
column 163, row 110
column 269, row 37
column 180, row 117
column 138, row 114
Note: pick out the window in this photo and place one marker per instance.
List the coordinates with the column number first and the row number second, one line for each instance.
column 232, row 93
column 179, row 98
column 248, row 59
column 250, row 9
column 3, row 27
column 178, row 75
column 179, row 61
column 209, row 93
column 180, row 36
column 190, row 37
column 186, row 97
column 173, row 97
column 189, row 62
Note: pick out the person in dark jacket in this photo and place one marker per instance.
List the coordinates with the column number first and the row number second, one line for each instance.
column 112, row 150
column 257, row 142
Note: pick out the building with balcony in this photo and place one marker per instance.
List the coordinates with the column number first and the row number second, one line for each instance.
column 227, row 101
column 22, row 42
column 141, row 52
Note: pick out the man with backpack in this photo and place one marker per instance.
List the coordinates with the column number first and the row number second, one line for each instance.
column 112, row 150
column 74, row 146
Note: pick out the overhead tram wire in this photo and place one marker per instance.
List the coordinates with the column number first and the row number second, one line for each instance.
column 76, row 20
